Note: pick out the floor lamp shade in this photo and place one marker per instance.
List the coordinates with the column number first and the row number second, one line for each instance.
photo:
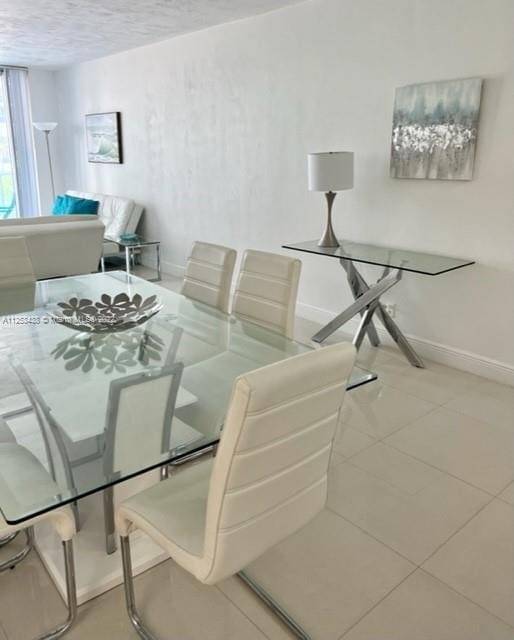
column 330, row 172
column 45, row 126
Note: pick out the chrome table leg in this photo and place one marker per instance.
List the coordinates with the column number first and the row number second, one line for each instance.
column 127, row 260
column 372, row 294
column 399, row 338
column 364, row 325
column 158, row 257
column 110, row 528
column 368, row 303
column 358, row 286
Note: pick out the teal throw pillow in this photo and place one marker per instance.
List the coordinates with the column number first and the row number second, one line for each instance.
column 75, row 205
column 58, row 208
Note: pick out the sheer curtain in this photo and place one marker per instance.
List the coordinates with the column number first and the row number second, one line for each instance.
column 22, row 141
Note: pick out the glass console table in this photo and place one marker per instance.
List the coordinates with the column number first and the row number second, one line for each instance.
column 367, row 297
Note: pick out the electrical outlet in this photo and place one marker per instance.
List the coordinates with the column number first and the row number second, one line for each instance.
column 391, row 309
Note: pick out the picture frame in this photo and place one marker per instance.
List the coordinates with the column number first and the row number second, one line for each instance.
column 435, row 129
column 103, row 137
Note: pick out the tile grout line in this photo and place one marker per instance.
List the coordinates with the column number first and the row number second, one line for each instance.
column 463, row 595
column 347, row 631
column 383, row 441
column 451, row 475
column 373, row 537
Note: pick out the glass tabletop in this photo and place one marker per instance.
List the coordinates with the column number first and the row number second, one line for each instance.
column 136, row 242
column 69, row 376
column 415, row 261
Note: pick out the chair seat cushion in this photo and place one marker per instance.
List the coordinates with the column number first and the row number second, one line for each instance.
column 172, row 512
column 6, row 435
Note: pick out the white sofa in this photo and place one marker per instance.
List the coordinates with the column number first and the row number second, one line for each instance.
column 119, row 215
column 59, row 245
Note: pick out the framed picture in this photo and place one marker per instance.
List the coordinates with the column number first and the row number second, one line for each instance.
column 103, row 133
column 435, row 128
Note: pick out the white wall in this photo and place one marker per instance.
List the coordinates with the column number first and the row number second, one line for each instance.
column 43, row 98
column 217, row 126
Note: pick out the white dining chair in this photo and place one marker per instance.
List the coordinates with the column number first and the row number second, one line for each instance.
column 139, row 418
column 268, row 479
column 6, row 435
column 17, row 280
column 266, row 291
column 27, row 486
column 208, row 276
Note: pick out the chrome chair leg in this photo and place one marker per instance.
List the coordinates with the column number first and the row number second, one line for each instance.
column 145, row 634
column 71, row 593
column 5, row 540
column 71, row 589
column 21, row 555
column 130, row 598
column 274, row 606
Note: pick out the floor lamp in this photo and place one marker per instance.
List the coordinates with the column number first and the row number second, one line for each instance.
column 46, row 128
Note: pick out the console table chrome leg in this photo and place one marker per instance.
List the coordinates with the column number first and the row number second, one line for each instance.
column 367, row 303
column 372, row 294
column 359, row 286
column 399, row 338
column 364, row 325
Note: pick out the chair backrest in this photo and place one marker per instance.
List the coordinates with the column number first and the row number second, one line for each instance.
column 208, row 276
column 270, row 473
column 139, row 415
column 15, row 264
column 266, row 290
column 58, row 459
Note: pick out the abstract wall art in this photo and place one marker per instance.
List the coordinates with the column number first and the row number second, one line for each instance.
column 103, row 132
column 435, row 127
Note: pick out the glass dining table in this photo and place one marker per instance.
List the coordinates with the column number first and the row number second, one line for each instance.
column 68, row 373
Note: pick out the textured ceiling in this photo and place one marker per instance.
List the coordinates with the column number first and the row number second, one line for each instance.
column 53, row 33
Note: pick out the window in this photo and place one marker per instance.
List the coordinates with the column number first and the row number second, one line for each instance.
column 18, row 181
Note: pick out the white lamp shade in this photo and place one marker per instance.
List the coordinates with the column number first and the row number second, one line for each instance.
column 331, row 171
column 45, row 126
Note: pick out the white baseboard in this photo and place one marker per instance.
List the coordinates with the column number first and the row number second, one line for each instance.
column 166, row 267
column 444, row 354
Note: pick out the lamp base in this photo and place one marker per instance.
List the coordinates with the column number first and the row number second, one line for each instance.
column 329, row 239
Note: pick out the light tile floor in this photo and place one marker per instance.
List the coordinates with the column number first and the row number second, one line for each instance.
column 416, row 542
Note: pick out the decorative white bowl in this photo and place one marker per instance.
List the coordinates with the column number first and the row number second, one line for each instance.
column 107, row 315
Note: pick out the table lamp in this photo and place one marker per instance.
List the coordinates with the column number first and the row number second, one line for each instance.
column 46, row 128
column 330, row 172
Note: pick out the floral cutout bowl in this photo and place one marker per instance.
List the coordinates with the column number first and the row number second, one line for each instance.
column 107, row 315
